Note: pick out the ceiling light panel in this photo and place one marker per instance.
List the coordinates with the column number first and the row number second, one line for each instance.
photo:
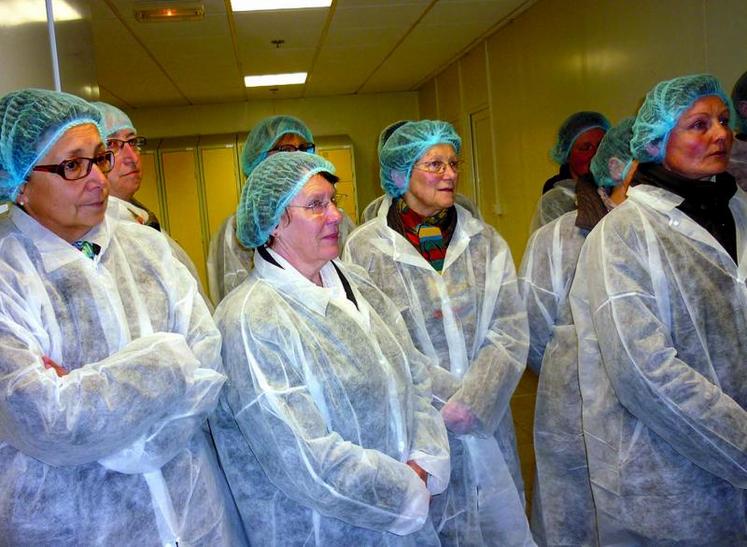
column 274, row 5
column 21, row 12
column 265, row 80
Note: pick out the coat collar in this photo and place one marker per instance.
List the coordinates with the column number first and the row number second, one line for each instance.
column 55, row 252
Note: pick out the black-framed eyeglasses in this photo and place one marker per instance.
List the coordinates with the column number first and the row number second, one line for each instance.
column 437, row 167
column 136, row 143
column 319, row 206
column 78, row 168
column 309, row 147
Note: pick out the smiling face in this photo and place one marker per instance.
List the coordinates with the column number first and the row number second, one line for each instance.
column 583, row 150
column 127, row 174
column 69, row 208
column 700, row 144
column 306, row 239
column 429, row 193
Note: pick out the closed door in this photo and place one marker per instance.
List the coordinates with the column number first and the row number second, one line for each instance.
column 485, row 190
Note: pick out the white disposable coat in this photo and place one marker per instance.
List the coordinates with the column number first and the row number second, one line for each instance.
column 325, row 405
column 470, row 319
column 554, row 203
column 738, row 162
column 562, row 504
column 129, row 212
column 114, row 452
column 659, row 308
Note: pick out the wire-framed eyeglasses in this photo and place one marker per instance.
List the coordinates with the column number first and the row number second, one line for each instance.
column 437, row 167
column 319, row 206
column 116, row 145
column 309, row 147
column 79, row 168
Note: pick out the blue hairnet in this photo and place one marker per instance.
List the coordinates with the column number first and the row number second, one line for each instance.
column 31, row 122
column 739, row 94
column 113, row 118
column 270, row 188
column 661, row 110
column 614, row 144
column 571, row 129
column 387, row 132
column 264, row 136
column 405, row 146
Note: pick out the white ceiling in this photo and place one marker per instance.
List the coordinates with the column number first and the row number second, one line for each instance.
column 355, row 46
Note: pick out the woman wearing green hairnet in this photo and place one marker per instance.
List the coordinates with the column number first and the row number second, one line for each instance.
column 109, row 359
column 659, row 305
column 578, row 138
column 325, row 429
column 562, row 504
column 229, row 262
column 453, row 279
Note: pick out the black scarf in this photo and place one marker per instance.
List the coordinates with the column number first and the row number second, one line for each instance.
column 563, row 174
column 706, row 202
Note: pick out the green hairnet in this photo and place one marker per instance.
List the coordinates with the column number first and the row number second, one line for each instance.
column 614, row 147
column 264, row 136
column 573, row 126
column 269, row 189
column 661, row 110
column 387, row 132
column 31, row 122
column 405, row 146
column 738, row 95
column 114, row 119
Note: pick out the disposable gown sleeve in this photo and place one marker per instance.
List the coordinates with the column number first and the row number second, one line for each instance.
column 100, row 408
column 430, row 443
column 189, row 315
column 499, row 362
column 538, row 295
column 228, row 263
column 682, row 406
column 286, row 430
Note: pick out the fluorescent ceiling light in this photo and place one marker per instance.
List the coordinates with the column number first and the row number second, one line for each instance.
column 21, row 12
column 151, row 12
column 272, row 5
column 275, row 79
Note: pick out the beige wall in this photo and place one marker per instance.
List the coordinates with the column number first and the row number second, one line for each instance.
column 361, row 117
column 561, row 56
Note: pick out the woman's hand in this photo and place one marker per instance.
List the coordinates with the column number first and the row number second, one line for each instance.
column 59, row 369
column 422, row 473
column 458, row 418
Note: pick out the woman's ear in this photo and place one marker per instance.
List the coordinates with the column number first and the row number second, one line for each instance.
column 653, row 149
column 615, row 167
column 22, row 197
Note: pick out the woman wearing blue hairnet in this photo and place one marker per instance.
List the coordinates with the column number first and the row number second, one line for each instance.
column 229, row 262
column 371, row 210
column 562, row 505
column 325, row 429
column 109, row 358
column 578, row 138
column 453, row 279
column 659, row 305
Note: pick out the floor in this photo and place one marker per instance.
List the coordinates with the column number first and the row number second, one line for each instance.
column 522, row 408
